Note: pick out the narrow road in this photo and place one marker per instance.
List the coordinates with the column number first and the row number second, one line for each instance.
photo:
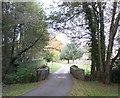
column 59, row 84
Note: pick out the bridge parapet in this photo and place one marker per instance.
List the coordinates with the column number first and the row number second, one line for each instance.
column 77, row 72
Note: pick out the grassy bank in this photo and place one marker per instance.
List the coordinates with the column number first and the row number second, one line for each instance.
column 53, row 67
column 90, row 88
column 93, row 88
column 82, row 64
column 18, row 89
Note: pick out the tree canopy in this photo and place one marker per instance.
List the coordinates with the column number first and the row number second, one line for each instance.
column 70, row 52
column 24, row 33
column 98, row 23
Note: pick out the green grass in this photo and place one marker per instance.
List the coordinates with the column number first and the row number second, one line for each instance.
column 90, row 88
column 53, row 67
column 18, row 89
column 35, row 64
column 83, row 65
column 93, row 88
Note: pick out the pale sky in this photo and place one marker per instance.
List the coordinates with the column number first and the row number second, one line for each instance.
column 63, row 38
column 46, row 4
column 47, row 8
column 60, row 36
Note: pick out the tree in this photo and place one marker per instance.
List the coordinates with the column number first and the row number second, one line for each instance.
column 113, row 30
column 56, row 58
column 70, row 52
column 24, row 33
column 92, row 18
column 92, row 24
column 49, row 57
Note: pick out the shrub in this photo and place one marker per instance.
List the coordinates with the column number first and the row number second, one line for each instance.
column 87, row 72
column 89, row 77
column 25, row 73
column 10, row 79
column 48, row 57
column 115, row 78
column 56, row 58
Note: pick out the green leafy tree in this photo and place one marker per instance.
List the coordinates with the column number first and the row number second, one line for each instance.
column 56, row 58
column 24, row 33
column 49, row 57
column 92, row 17
column 70, row 52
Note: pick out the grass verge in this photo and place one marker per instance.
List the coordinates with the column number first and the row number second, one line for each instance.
column 53, row 67
column 93, row 88
column 83, row 65
column 18, row 89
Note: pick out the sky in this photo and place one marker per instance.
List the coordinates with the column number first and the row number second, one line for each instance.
column 46, row 4
column 48, row 8
column 63, row 38
column 60, row 36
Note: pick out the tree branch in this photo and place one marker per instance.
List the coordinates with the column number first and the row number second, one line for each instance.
column 22, row 51
column 117, row 55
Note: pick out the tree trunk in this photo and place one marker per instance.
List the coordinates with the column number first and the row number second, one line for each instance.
column 13, row 59
column 117, row 55
column 102, row 40
column 90, row 16
column 98, row 20
column 73, row 60
column 113, row 31
column 93, row 70
column 68, row 61
column 100, row 69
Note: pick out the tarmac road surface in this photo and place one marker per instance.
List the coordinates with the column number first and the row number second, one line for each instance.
column 59, row 84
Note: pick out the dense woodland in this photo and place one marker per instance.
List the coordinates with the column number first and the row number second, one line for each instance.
column 25, row 35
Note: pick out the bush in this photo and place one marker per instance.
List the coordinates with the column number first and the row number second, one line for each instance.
column 87, row 72
column 89, row 77
column 10, row 79
column 48, row 57
column 115, row 78
column 56, row 58
column 25, row 73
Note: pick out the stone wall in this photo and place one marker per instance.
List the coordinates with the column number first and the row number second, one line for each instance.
column 42, row 73
column 77, row 72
